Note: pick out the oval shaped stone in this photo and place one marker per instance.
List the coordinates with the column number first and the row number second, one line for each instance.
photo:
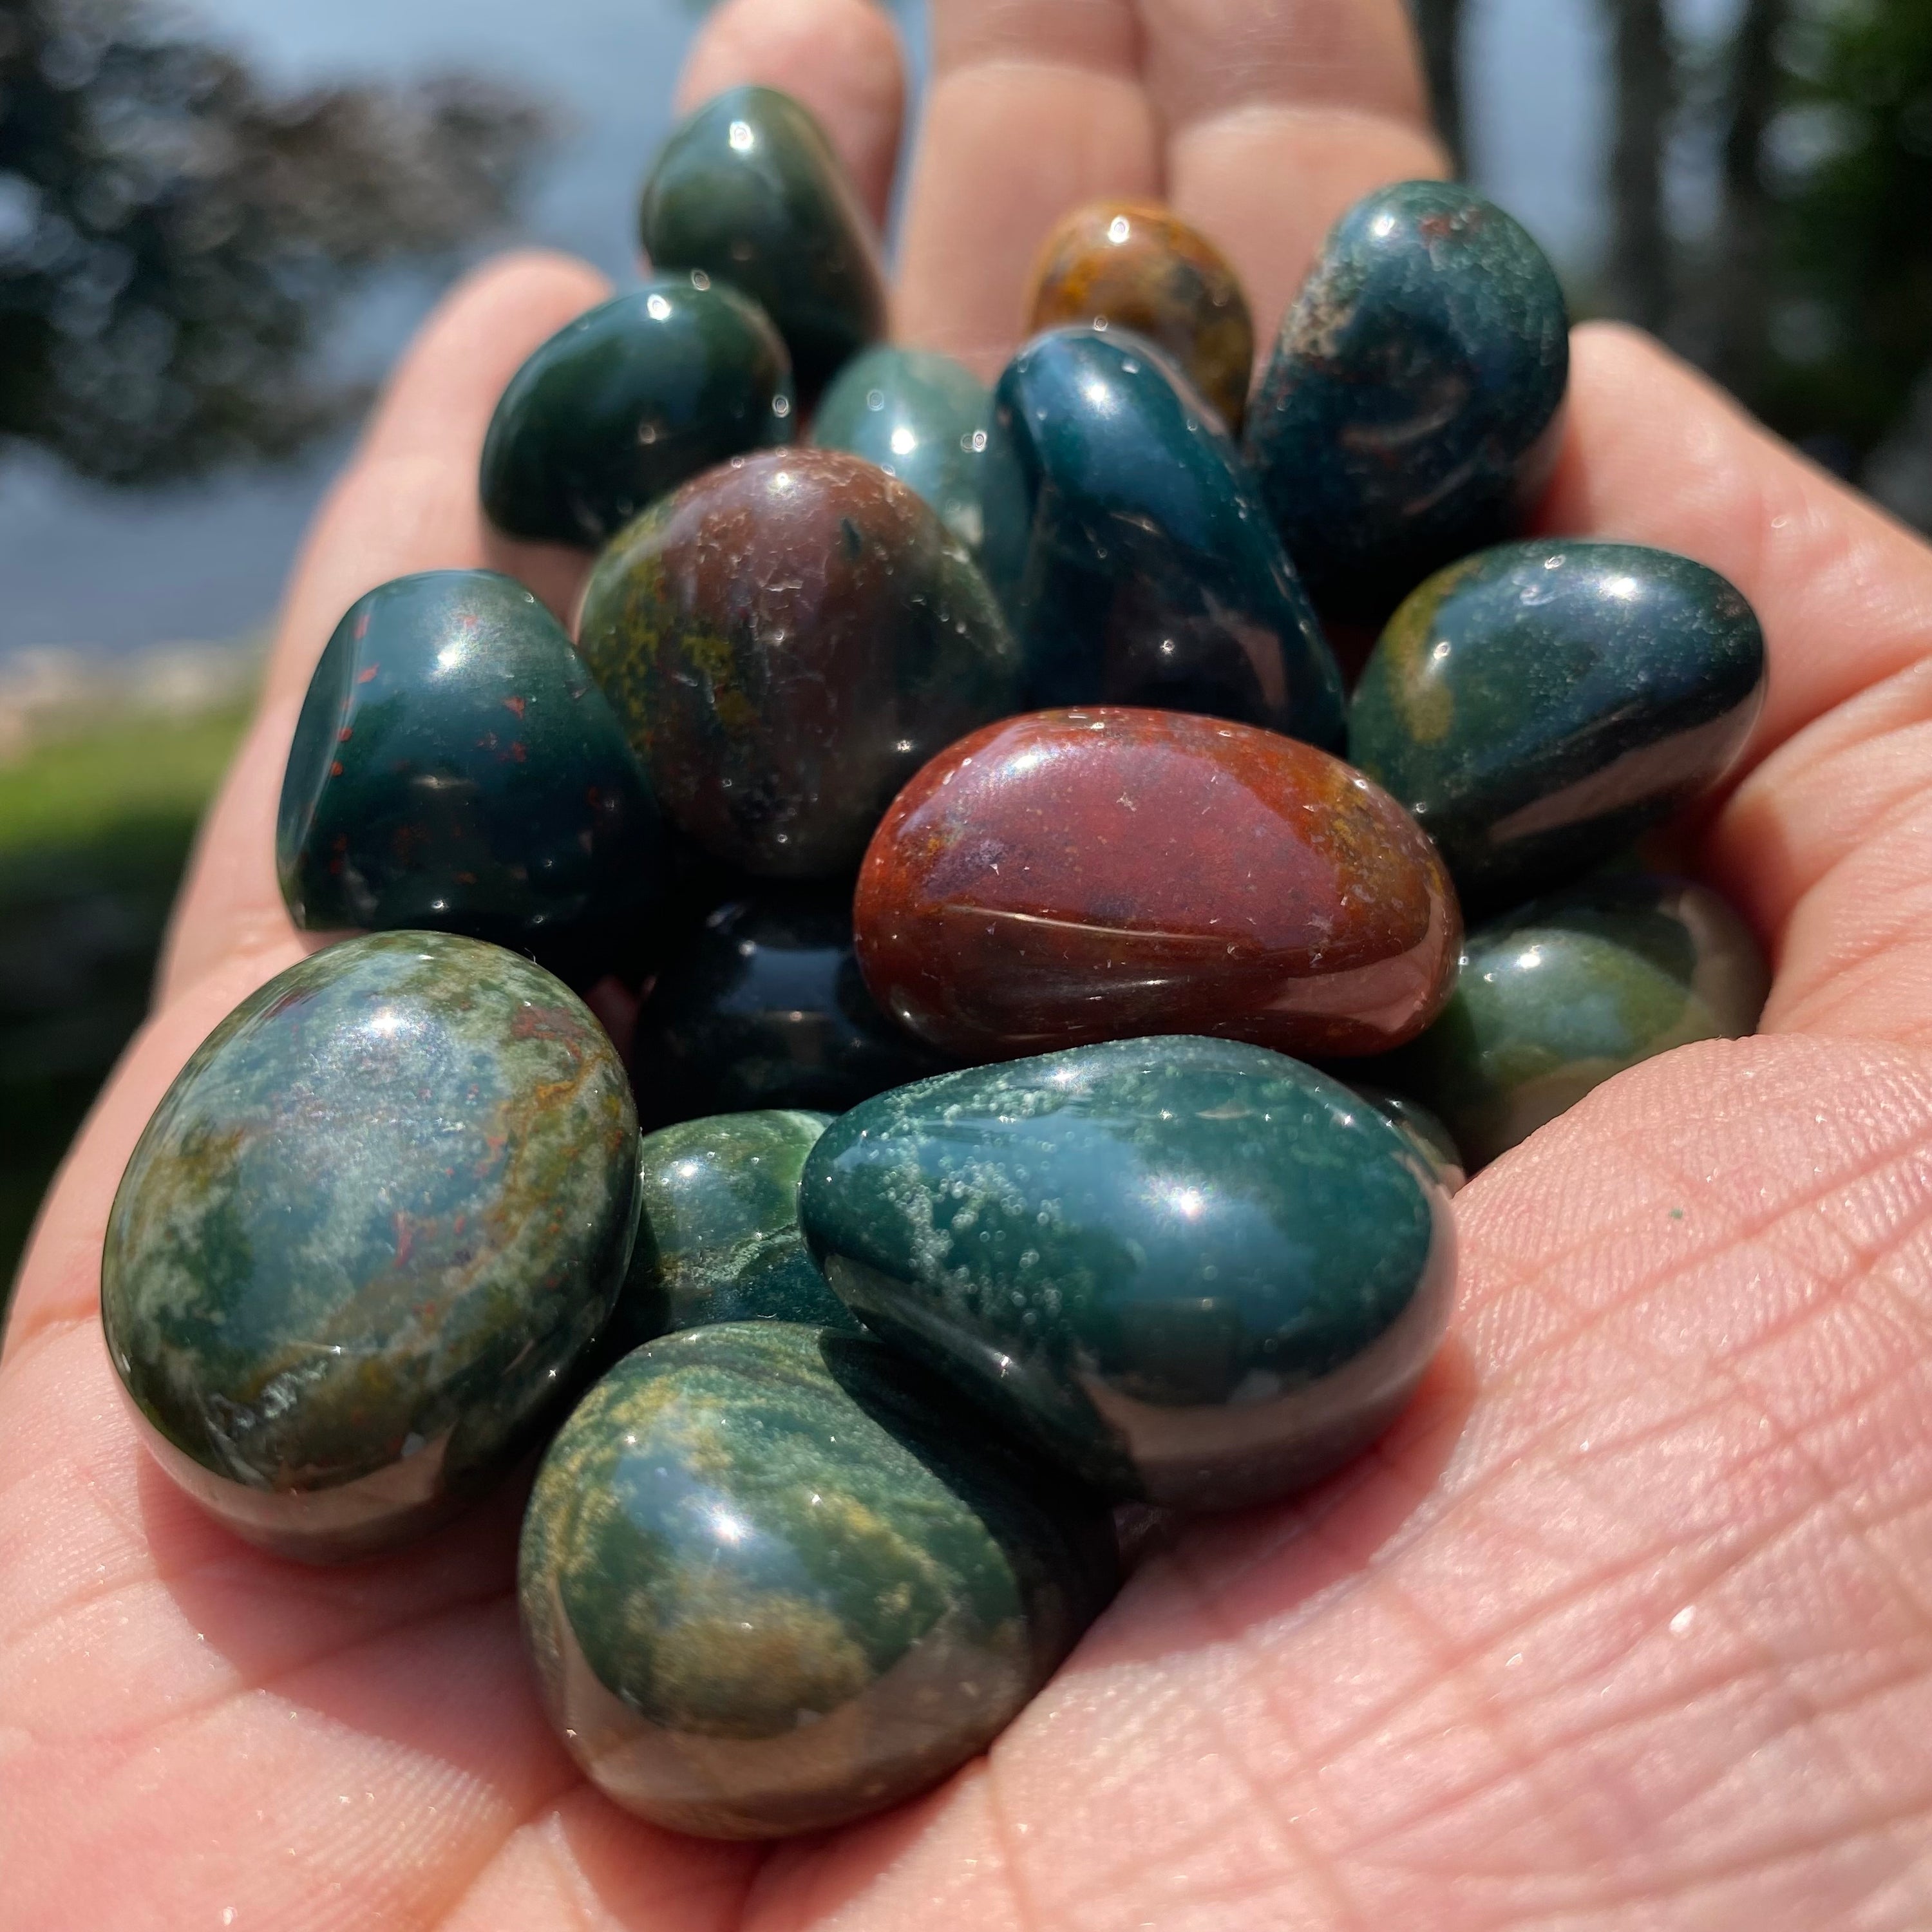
column 773, row 1580
column 718, row 1232
column 787, row 639
column 1133, row 555
column 456, row 767
column 629, row 400
column 921, row 417
column 378, row 1217
column 1196, row 1273
column 1072, row 876
column 765, row 1008
column 1410, row 412
column 1539, row 706
column 1559, row 995
column 1135, row 265
column 749, row 190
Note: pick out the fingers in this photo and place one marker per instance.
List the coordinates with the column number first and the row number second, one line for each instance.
column 407, row 502
column 841, row 58
column 1035, row 105
column 1280, row 114
column 1826, row 845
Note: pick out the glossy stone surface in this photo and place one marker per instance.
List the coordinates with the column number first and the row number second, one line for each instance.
column 1132, row 553
column 921, row 417
column 1559, row 995
column 772, row 1579
column 749, row 190
column 1196, row 1273
column 376, row 1221
column 1423, row 1130
column 456, row 767
column 765, row 1008
column 718, row 1232
column 629, row 400
column 1410, row 412
column 1131, row 264
column 1072, row 876
column 1538, row 706
column 787, row 639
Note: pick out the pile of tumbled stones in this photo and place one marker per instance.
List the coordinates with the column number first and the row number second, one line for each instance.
column 1056, row 1060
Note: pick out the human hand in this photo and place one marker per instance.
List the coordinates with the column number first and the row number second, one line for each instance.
column 1629, row 1622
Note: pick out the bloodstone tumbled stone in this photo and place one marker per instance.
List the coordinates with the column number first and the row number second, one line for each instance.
column 773, row 1580
column 718, row 1232
column 1559, row 995
column 378, row 1218
column 628, row 401
column 1196, row 1273
column 1127, row 265
column 1071, row 876
column 765, row 1007
column 787, row 639
column 1540, row 705
column 1135, row 560
column 1409, row 414
column 749, row 190
column 455, row 766
column 921, row 417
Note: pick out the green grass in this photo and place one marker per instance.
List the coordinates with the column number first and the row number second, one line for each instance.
column 95, row 830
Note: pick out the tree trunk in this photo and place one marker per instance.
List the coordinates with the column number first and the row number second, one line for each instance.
column 1640, row 279
column 1438, row 26
column 1743, row 292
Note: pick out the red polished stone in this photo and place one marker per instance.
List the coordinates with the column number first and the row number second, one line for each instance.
column 1073, row 876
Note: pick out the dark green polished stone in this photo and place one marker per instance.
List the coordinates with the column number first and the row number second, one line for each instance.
column 718, row 1233
column 456, row 767
column 374, row 1223
column 1197, row 1272
column 765, row 1008
column 1556, row 997
column 1422, row 1129
column 921, row 417
column 1410, row 413
column 772, row 1580
column 788, row 638
column 1132, row 553
column 628, row 401
column 1538, row 706
column 749, row 190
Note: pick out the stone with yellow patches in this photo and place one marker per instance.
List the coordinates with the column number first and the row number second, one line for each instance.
column 772, row 1579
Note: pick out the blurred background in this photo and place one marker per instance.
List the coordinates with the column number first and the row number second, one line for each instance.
column 220, row 219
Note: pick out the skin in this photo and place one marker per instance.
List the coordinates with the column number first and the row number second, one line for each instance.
column 1629, row 1622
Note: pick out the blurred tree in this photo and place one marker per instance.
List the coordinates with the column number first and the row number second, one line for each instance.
column 175, row 238
column 1438, row 26
column 1640, row 268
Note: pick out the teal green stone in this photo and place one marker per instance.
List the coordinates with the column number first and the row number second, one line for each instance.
column 628, row 401
column 749, row 190
column 1424, row 1131
column 1556, row 997
column 456, row 767
column 1538, row 706
column 772, row 1580
column 788, row 638
column 718, row 1232
column 921, row 417
column 1196, row 1273
column 1410, row 412
column 377, row 1219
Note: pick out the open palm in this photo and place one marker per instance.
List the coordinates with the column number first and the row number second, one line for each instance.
column 1629, row 1624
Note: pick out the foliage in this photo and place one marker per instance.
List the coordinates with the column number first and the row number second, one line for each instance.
column 175, row 239
column 1848, row 162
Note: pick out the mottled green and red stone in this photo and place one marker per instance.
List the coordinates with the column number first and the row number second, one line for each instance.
column 1076, row 876
column 787, row 639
